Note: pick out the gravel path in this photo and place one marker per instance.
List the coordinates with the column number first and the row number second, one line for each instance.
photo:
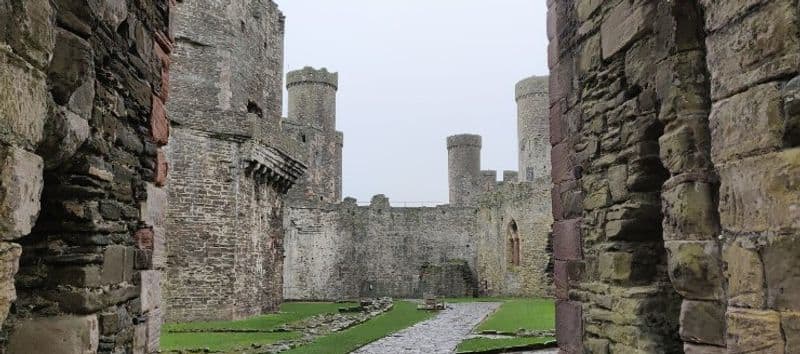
column 439, row 335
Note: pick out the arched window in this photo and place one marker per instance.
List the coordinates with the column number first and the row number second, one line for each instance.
column 514, row 256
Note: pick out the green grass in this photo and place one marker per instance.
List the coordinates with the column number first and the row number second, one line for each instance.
column 220, row 341
column 402, row 315
column 484, row 344
column 290, row 312
column 529, row 314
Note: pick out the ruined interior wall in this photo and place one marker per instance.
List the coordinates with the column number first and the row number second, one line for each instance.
column 753, row 57
column 711, row 90
column 84, row 84
column 346, row 251
column 612, row 285
column 528, row 205
column 231, row 161
column 324, row 260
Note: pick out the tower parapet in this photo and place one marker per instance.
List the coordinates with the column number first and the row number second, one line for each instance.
column 533, row 128
column 312, row 97
column 464, row 168
column 309, row 75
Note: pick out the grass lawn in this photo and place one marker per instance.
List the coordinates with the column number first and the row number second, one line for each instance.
column 402, row 315
column 484, row 344
column 530, row 314
column 290, row 312
column 220, row 341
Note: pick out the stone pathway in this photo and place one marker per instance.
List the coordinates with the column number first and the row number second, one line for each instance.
column 439, row 335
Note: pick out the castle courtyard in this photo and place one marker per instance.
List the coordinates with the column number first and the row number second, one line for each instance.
column 420, row 177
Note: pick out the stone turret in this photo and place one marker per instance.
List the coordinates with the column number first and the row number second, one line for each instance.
column 533, row 128
column 312, row 120
column 312, row 97
column 464, row 168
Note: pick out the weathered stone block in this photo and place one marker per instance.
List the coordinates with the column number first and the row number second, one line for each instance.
column 618, row 182
column 683, row 149
column 162, row 168
column 760, row 194
column 567, row 243
column 744, row 273
column 9, row 264
column 761, row 46
column 791, row 109
column 21, row 185
column 790, row 324
column 694, row 268
column 117, row 264
column 28, row 28
column 56, row 335
column 71, row 67
column 703, row 322
column 596, row 346
column 159, row 124
column 65, row 132
column 781, row 257
column 564, row 274
column 140, row 339
column 569, row 326
column 751, row 331
column 154, row 322
column 689, row 348
column 625, row 23
column 720, row 14
column 562, row 163
column 23, row 104
column 615, row 266
column 150, row 290
column 154, row 209
column 759, row 109
column 690, row 212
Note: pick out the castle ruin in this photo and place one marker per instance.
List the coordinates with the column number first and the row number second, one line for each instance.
column 142, row 148
column 490, row 239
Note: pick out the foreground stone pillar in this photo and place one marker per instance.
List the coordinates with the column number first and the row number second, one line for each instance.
column 80, row 138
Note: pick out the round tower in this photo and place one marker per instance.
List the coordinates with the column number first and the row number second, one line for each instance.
column 312, row 97
column 464, row 168
column 533, row 128
column 312, row 110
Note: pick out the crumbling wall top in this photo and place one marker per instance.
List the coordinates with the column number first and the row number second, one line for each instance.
column 308, row 75
column 534, row 85
column 464, row 140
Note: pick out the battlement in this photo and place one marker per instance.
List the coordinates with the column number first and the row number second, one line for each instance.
column 463, row 140
column 534, row 85
column 510, row 176
column 309, row 75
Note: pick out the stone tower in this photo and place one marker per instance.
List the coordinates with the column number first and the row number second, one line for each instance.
column 533, row 128
column 312, row 120
column 464, row 168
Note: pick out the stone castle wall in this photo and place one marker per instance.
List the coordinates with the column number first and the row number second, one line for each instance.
column 82, row 127
column 231, row 163
column 527, row 207
column 346, row 251
column 674, row 138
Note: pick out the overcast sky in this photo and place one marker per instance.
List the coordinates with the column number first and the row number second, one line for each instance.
column 412, row 72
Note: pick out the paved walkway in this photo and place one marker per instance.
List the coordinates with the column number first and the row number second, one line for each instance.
column 439, row 335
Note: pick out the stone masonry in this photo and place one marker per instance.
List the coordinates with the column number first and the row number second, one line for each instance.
column 231, row 164
column 337, row 250
column 675, row 163
column 82, row 89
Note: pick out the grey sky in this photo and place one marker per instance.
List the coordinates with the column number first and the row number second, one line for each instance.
column 412, row 72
